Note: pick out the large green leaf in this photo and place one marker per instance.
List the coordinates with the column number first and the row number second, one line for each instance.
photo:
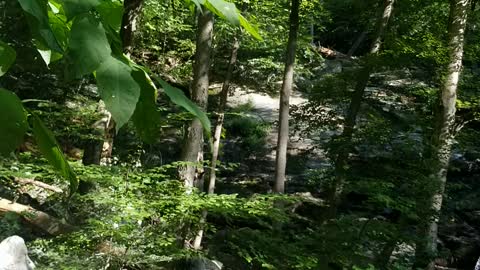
column 60, row 27
column 37, row 16
column 7, row 57
column 249, row 28
column 178, row 97
column 146, row 118
column 47, row 55
column 13, row 122
column 88, row 46
column 224, row 9
column 228, row 11
column 52, row 152
column 75, row 7
column 197, row 3
column 111, row 13
column 118, row 89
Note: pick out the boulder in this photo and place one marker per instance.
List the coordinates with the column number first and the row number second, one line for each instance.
column 202, row 264
column 14, row 254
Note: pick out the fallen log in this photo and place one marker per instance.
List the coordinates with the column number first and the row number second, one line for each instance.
column 330, row 53
column 26, row 181
column 42, row 220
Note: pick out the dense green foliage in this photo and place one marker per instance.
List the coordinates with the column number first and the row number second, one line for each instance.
column 62, row 61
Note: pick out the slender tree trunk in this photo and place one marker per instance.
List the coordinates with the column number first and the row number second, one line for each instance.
column 341, row 160
column 221, row 114
column 92, row 154
column 282, row 143
column 132, row 10
column 197, row 243
column 443, row 134
column 192, row 152
column 312, row 32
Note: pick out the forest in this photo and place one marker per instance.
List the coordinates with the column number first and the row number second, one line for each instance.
column 239, row 134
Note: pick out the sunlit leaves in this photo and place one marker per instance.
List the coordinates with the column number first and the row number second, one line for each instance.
column 178, row 97
column 88, row 47
column 52, row 152
column 13, row 122
column 37, row 15
column 118, row 89
column 7, row 57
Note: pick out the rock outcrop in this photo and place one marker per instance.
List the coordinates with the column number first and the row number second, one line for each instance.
column 14, row 254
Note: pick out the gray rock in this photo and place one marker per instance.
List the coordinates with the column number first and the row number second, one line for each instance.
column 14, row 254
column 205, row 264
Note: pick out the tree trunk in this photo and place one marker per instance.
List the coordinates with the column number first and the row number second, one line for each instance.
column 93, row 149
column 281, row 156
column 197, row 243
column 341, row 160
column 443, row 134
column 383, row 259
column 92, row 152
column 132, row 10
column 221, row 114
column 192, row 152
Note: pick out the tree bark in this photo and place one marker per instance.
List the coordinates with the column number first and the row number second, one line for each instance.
column 282, row 143
column 443, row 134
column 221, row 114
column 192, row 152
column 132, row 10
column 197, row 243
column 341, row 160
column 40, row 219
column 93, row 150
column 383, row 259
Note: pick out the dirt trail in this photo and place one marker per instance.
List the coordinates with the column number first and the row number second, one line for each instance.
column 265, row 106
